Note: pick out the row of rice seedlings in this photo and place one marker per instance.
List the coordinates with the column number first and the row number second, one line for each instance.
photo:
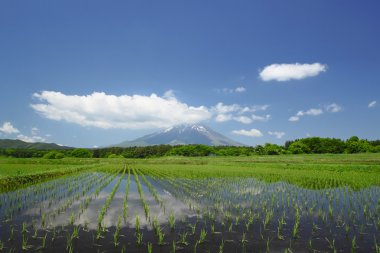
column 142, row 197
column 101, row 227
column 150, row 187
column 125, row 205
column 36, row 195
column 75, row 196
column 180, row 192
column 35, row 228
column 296, row 221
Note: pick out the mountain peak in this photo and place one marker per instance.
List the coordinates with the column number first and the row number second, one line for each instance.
column 182, row 135
column 187, row 127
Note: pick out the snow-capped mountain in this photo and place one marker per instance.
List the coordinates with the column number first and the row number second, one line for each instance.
column 181, row 135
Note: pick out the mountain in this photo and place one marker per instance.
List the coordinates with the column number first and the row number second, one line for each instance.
column 182, row 135
column 17, row 144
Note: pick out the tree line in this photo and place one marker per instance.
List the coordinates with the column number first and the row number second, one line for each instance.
column 312, row 145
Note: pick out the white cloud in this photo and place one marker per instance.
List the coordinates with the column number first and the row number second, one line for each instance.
column 333, row 108
column 240, row 89
column 169, row 94
column 251, row 133
column 221, row 108
column 372, row 104
column 125, row 112
column 310, row 112
column 278, row 135
column 294, row 118
column 223, row 117
column 286, row 72
column 313, row 112
column 239, row 113
column 34, row 138
column 243, row 119
column 8, row 128
column 261, row 118
column 34, row 131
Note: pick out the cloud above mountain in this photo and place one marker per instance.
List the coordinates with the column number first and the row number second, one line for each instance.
column 8, row 128
column 125, row 112
column 106, row 111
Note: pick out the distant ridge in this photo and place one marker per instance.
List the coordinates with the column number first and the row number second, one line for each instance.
column 18, row 144
column 182, row 135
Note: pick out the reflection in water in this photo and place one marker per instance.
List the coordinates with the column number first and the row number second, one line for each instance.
column 226, row 208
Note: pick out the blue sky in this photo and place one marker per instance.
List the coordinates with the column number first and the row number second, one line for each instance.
column 94, row 73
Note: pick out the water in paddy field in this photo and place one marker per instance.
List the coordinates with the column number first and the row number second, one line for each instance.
column 92, row 212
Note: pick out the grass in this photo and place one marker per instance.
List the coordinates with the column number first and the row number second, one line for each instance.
column 307, row 171
column 20, row 172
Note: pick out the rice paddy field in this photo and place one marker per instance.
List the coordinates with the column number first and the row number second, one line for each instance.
column 289, row 203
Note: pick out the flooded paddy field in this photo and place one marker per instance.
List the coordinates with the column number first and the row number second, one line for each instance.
column 136, row 209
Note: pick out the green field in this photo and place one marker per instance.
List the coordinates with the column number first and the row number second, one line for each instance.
column 309, row 171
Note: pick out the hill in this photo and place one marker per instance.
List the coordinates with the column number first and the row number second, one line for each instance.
column 18, row 144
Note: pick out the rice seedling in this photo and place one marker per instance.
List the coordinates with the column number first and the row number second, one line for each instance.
column 183, row 239
column 161, row 236
column 174, row 247
column 331, row 244
column 221, row 246
column 202, row 236
column 150, row 247
column 117, row 232
column 296, row 223
column 353, row 245
column 171, row 221
column 139, row 238
column 75, row 233
column 24, row 243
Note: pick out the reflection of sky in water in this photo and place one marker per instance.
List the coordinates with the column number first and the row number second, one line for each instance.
column 243, row 193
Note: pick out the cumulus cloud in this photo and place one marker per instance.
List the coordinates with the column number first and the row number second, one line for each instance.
column 278, row 135
column 251, row 133
column 286, row 72
column 8, row 128
column 372, row 104
column 331, row 108
column 125, row 112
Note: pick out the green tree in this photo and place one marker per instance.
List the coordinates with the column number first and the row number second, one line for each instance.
column 355, row 145
column 298, row 147
column 53, row 155
column 81, row 153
